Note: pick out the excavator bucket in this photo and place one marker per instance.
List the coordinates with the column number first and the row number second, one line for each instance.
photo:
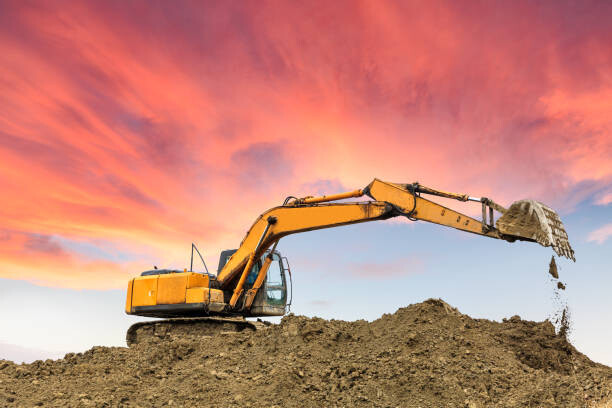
column 534, row 221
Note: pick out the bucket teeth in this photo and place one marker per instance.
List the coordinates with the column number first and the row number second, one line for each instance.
column 532, row 220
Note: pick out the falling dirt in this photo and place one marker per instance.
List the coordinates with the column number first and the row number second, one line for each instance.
column 552, row 268
column 425, row 355
column 565, row 323
column 561, row 318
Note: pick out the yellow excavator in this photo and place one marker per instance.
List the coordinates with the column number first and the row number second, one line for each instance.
column 252, row 281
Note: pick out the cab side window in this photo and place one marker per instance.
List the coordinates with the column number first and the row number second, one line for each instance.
column 275, row 282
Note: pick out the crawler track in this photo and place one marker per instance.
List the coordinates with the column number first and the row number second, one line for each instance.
column 201, row 327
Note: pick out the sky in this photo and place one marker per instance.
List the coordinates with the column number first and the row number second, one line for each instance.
column 129, row 130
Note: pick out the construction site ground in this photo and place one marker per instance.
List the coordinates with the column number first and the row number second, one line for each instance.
column 424, row 355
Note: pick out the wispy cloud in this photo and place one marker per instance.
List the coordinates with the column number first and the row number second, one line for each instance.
column 387, row 269
column 323, row 304
column 600, row 235
column 604, row 198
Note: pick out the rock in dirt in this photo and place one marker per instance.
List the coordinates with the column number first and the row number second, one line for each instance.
column 425, row 355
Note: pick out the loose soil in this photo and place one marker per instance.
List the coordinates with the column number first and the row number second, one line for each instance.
column 552, row 268
column 424, row 355
column 561, row 318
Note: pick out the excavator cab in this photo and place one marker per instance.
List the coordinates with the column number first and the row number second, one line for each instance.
column 273, row 297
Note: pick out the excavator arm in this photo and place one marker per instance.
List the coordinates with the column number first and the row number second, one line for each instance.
column 526, row 222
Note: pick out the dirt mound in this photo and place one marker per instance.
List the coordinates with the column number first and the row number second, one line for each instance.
column 424, row 355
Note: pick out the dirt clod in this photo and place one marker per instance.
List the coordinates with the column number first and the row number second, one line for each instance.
column 427, row 354
column 552, row 268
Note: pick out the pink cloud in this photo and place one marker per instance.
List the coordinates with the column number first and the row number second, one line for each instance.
column 25, row 255
column 600, row 235
column 604, row 199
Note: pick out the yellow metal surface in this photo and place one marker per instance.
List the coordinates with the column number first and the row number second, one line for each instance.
column 171, row 288
column 144, row 291
column 216, row 296
column 425, row 210
column 128, row 300
column 200, row 295
column 238, row 289
column 333, row 197
column 166, row 289
column 196, row 279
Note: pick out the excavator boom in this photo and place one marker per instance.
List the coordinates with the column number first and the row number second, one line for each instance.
column 391, row 200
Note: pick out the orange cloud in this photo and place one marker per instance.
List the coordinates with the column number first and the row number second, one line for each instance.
column 21, row 254
column 153, row 126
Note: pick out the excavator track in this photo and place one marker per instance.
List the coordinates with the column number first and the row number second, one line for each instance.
column 188, row 328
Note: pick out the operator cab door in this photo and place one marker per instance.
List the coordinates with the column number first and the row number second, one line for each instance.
column 271, row 299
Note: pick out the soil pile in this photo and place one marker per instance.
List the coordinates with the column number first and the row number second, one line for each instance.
column 424, row 355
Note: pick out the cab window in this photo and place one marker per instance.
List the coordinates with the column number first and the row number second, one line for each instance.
column 275, row 282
